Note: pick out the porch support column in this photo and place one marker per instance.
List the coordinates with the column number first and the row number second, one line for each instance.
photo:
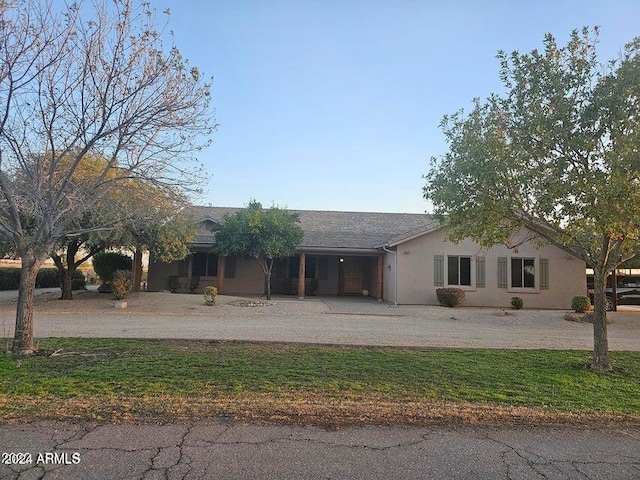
column 220, row 283
column 380, row 278
column 301, row 276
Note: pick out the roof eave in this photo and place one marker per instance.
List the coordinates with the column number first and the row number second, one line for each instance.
column 399, row 241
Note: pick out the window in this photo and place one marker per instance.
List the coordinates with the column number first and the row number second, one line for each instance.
column 459, row 271
column 309, row 267
column 294, row 267
column 523, row 273
column 229, row 267
column 183, row 268
column 280, row 268
column 204, row 265
column 323, row 268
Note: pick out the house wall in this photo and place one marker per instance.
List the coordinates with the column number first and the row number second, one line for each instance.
column 372, row 275
column 330, row 285
column 389, row 277
column 566, row 274
column 158, row 274
column 249, row 278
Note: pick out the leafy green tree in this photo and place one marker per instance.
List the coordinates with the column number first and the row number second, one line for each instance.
column 557, row 154
column 88, row 80
column 159, row 223
column 262, row 234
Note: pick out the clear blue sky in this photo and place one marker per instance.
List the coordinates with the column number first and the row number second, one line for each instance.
column 335, row 104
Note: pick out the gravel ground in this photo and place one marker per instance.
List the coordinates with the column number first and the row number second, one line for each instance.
column 352, row 321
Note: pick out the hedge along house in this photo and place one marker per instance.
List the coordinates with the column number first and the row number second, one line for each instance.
column 395, row 257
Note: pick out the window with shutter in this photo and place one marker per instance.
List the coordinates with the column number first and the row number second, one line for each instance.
column 523, row 273
column 459, row 271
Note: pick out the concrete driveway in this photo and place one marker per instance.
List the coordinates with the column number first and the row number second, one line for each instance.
column 352, row 321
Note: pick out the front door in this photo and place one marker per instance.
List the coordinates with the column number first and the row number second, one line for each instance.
column 353, row 276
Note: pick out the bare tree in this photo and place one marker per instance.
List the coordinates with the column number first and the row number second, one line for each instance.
column 81, row 84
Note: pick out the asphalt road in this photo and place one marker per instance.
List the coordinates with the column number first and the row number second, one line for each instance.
column 233, row 451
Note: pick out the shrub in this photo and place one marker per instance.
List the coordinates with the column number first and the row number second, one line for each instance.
column 105, row 264
column 581, row 304
column 91, row 277
column 78, row 281
column 516, row 303
column 210, row 294
column 9, row 278
column 122, row 280
column 450, row 297
column 48, row 278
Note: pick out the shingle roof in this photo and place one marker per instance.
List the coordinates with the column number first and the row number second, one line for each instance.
column 332, row 229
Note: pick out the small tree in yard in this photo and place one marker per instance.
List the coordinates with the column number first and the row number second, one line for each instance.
column 94, row 81
column 557, row 155
column 262, row 234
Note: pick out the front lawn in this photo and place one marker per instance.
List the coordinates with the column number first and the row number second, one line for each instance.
column 132, row 378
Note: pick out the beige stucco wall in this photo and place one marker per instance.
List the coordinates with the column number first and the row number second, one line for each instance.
column 158, row 275
column 389, row 277
column 330, row 285
column 249, row 278
column 416, row 274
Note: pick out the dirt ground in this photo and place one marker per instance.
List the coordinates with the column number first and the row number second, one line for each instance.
column 331, row 320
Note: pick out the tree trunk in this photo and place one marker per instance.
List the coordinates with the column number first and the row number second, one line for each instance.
column 23, row 336
column 67, row 271
column 268, row 275
column 67, row 288
column 137, row 269
column 65, row 277
column 600, row 340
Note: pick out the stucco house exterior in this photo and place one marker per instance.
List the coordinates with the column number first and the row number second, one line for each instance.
column 396, row 257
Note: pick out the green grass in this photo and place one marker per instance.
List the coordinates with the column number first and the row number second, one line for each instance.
column 548, row 379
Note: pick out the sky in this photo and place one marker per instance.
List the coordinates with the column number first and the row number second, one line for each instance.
column 336, row 104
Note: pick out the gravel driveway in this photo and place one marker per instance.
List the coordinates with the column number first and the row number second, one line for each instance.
column 352, row 321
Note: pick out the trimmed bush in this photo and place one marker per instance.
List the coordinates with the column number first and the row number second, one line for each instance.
column 47, row 278
column 450, row 297
column 581, row 304
column 78, row 281
column 105, row 264
column 516, row 303
column 210, row 294
column 122, row 281
column 9, row 278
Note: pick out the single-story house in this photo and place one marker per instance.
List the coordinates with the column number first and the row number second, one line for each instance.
column 396, row 257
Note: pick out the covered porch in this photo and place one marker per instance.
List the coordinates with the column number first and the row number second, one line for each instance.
column 307, row 273
column 311, row 273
